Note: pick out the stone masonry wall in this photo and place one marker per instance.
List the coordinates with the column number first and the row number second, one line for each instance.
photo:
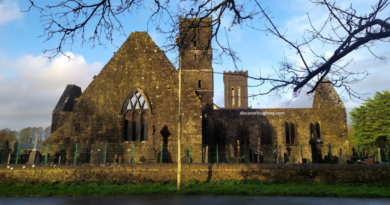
column 261, row 131
column 167, row 173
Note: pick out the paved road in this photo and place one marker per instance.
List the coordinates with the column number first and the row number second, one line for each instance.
column 189, row 200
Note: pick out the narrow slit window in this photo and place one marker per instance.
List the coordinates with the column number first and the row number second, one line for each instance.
column 239, row 96
column 232, row 96
column 195, row 57
column 199, row 83
column 287, row 132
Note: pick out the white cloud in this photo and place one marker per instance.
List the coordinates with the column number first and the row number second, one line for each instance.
column 9, row 11
column 30, row 87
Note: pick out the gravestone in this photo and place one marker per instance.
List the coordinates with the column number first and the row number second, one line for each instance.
column 286, row 158
column 256, row 157
column 35, row 157
column 12, row 155
column 335, row 160
column 261, row 158
column 379, row 155
column 341, row 157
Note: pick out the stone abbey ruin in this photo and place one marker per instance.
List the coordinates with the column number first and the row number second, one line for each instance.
column 133, row 103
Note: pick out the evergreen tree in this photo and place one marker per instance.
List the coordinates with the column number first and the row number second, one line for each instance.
column 371, row 122
column 5, row 150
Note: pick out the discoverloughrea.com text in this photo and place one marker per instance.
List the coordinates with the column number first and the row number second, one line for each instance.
column 261, row 113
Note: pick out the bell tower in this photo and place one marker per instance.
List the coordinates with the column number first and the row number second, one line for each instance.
column 236, row 89
column 196, row 57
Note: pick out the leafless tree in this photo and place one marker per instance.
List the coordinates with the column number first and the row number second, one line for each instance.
column 344, row 28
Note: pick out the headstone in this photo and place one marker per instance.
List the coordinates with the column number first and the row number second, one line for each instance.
column 335, row 160
column 120, row 159
column 35, row 157
column 261, row 157
column 115, row 157
column 59, row 160
column 280, row 159
column 150, row 155
column 369, row 161
column 379, row 155
column 184, row 160
column 341, row 157
column 256, row 157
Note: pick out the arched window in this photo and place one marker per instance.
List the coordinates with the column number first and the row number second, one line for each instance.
column 232, row 96
column 287, row 132
column 239, row 96
column 136, row 111
column 292, row 133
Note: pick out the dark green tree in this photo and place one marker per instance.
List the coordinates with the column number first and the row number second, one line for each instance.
column 5, row 150
column 371, row 122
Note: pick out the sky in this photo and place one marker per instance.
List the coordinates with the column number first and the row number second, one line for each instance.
column 31, row 85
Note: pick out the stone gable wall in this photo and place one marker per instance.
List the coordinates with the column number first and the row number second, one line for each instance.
column 139, row 63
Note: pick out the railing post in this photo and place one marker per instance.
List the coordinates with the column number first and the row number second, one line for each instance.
column 189, row 154
column 132, row 158
column 75, row 154
column 301, row 153
column 17, row 155
column 105, row 154
column 161, row 153
column 217, row 155
column 388, row 156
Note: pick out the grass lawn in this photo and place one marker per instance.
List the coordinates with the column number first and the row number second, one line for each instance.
column 228, row 187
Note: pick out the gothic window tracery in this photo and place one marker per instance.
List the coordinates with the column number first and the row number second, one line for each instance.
column 136, row 115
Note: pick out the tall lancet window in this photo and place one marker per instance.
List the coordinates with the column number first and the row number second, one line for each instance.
column 239, row 97
column 232, row 96
column 136, row 112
